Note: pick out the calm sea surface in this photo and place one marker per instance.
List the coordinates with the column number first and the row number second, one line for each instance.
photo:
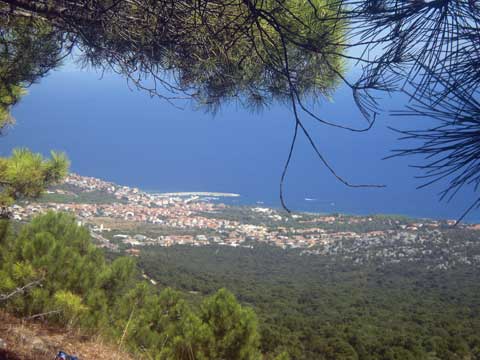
column 124, row 136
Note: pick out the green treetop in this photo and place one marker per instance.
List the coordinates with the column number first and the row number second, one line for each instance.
column 80, row 288
column 26, row 175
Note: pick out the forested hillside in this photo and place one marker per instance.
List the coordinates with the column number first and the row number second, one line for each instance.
column 320, row 307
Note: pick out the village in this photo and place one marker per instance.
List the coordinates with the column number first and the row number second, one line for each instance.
column 190, row 219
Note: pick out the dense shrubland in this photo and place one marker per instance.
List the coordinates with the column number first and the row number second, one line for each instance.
column 79, row 288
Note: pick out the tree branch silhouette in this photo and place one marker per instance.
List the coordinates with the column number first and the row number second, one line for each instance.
column 258, row 52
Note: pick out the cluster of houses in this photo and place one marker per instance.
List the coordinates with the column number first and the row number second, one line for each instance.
column 194, row 221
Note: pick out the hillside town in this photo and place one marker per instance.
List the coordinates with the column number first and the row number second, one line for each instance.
column 199, row 219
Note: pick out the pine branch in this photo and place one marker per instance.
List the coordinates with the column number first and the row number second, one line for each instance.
column 22, row 290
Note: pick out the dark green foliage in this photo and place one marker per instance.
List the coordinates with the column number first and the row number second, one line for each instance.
column 343, row 222
column 212, row 51
column 234, row 327
column 92, row 197
column 67, row 193
column 80, row 288
column 317, row 307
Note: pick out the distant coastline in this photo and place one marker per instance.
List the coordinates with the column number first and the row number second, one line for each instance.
column 304, row 204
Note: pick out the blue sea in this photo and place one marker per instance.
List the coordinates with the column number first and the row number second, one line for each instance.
column 122, row 135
